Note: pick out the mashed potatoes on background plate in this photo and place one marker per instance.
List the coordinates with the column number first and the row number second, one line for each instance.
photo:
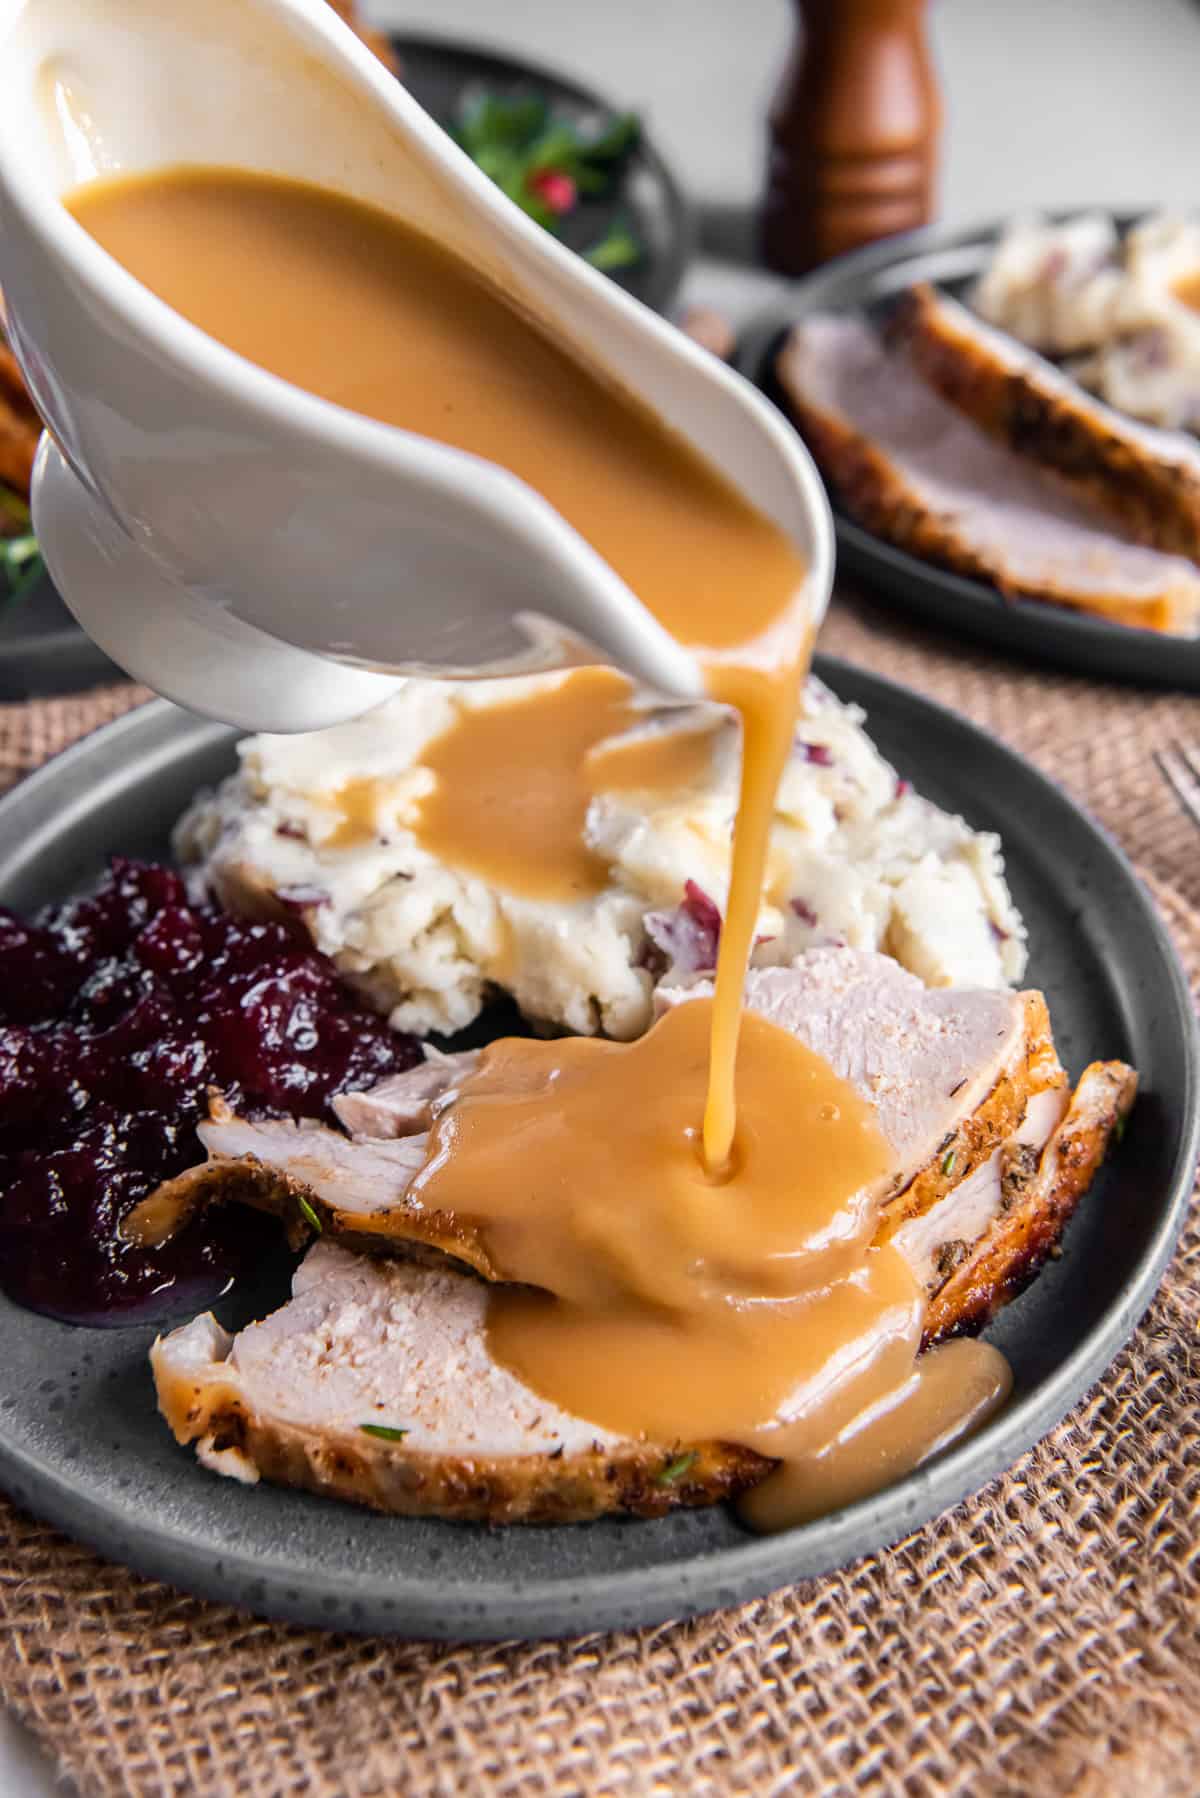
column 857, row 858
column 1124, row 309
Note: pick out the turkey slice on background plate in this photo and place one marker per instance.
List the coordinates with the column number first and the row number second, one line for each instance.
column 1147, row 481
column 919, row 474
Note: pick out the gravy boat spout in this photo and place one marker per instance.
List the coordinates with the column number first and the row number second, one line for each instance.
column 250, row 550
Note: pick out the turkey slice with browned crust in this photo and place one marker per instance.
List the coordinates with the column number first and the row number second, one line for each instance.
column 1147, row 481
column 375, row 1383
column 919, row 474
column 919, row 1055
column 1039, row 1191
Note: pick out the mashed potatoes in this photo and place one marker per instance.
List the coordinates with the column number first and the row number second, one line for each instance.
column 857, row 858
column 1126, row 310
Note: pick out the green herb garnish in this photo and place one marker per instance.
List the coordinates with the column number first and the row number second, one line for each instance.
column 675, row 1470
column 546, row 163
column 948, row 1160
column 620, row 249
column 384, row 1431
column 308, row 1212
column 21, row 564
column 1119, row 1127
column 617, row 139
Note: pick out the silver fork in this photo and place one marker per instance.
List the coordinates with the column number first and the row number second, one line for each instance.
column 1180, row 768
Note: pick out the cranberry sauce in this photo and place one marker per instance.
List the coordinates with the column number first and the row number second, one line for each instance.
column 117, row 1013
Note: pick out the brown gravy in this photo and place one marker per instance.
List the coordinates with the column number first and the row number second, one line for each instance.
column 705, row 1270
column 514, row 781
column 1187, row 289
column 346, row 301
column 663, row 1306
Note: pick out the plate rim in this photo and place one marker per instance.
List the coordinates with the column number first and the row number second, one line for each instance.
column 1065, row 634
column 283, row 1590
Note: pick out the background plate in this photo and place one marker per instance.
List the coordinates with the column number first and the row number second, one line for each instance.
column 436, row 72
column 80, row 1443
column 865, row 281
column 43, row 650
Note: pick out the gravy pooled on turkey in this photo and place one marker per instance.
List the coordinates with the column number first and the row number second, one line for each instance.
column 991, row 1154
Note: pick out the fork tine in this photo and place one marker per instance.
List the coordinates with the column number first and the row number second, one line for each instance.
column 1173, row 765
column 1191, row 757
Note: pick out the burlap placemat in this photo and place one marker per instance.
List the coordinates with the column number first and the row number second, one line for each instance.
column 1040, row 1639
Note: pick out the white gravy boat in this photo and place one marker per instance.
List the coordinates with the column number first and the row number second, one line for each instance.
column 256, row 553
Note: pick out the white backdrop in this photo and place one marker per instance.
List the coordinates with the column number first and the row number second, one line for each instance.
column 1050, row 101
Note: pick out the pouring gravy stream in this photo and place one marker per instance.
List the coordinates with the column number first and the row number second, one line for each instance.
column 701, row 1250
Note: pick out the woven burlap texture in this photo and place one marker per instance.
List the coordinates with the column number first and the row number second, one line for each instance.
column 1040, row 1639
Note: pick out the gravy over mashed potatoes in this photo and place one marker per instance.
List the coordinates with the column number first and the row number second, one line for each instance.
column 857, row 857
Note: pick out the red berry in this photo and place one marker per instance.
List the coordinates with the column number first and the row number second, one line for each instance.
column 556, row 189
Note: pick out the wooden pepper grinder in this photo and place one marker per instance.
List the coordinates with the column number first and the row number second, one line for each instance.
column 854, row 132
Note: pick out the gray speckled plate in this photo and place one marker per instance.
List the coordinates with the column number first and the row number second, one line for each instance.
column 81, row 1445
column 865, row 281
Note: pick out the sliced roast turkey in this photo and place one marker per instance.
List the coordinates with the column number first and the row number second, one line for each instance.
column 407, row 1102
column 375, row 1383
column 949, row 1071
column 978, row 1271
column 1147, row 481
column 919, row 474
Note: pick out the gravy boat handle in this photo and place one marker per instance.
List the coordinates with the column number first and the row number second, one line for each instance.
column 255, row 552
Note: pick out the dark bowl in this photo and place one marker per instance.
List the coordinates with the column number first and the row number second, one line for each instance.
column 437, row 71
